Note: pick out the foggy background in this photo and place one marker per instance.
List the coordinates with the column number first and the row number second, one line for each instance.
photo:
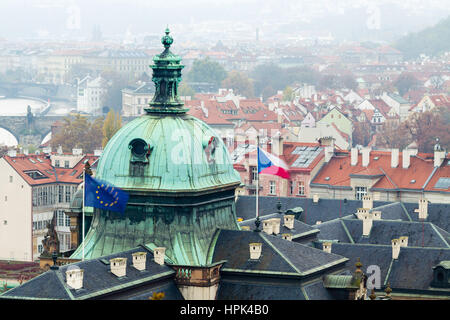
column 121, row 19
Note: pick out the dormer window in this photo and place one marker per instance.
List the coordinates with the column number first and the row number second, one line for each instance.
column 140, row 151
column 35, row 174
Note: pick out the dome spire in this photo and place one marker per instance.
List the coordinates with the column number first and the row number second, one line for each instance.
column 166, row 76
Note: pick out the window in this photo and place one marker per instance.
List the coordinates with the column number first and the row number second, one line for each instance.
column 68, row 195
column 56, row 163
column 272, row 187
column 40, row 248
column 360, row 192
column 291, row 187
column 62, row 220
column 10, row 178
column 254, row 171
column 66, row 164
column 301, row 188
column 60, row 194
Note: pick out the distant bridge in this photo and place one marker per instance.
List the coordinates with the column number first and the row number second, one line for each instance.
column 33, row 132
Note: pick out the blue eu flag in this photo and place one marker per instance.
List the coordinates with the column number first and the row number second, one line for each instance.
column 102, row 195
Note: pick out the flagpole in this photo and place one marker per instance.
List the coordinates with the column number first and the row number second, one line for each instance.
column 84, row 194
column 257, row 223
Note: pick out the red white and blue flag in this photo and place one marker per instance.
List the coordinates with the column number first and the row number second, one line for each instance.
column 270, row 164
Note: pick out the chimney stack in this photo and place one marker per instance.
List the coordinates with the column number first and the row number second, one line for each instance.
column 277, row 144
column 354, row 157
column 394, row 158
column 376, row 215
column 326, row 247
column 423, row 209
column 287, row 236
column 365, row 157
column 139, row 259
column 275, row 225
column 395, row 249
column 367, row 202
column 360, row 212
column 403, row 241
column 405, row 159
column 267, row 226
column 255, row 250
column 118, row 266
column 159, row 255
column 315, row 198
column 289, row 221
column 439, row 157
column 367, row 223
column 74, row 278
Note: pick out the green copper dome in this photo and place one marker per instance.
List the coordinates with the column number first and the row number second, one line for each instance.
column 178, row 174
column 182, row 154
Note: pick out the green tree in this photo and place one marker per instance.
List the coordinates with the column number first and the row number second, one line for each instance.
column 78, row 132
column 206, row 70
column 112, row 124
column 288, row 94
column 185, row 90
column 405, row 82
column 240, row 84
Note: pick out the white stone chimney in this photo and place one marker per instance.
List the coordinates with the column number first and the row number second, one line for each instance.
column 74, row 278
column 367, row 223
column 77, row 152
column 98, row 152
column 326, row 247
column 267, row 226
column 275, row 225
column 439, row 157
column 394, row 158
column 354, row 157
column 289, row 221
column 59, row 150
column 395, row 249
column 406, row 159
column 255, row 250
column 315, row 198
column 423, row 209
column 360, row 212
column 367, row 202
column 139, row 259
column 118, row 266
column 277, row 144
column 403, row 241
column 365, row 156
column 287, row 236
column 159, row 255
column 376, row 215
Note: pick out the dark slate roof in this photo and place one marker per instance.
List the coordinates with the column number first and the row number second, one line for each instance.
column 240, row 290
column 393, row 211
column 317, row 291
column 413, row 270
column 438, row 214
column 300, row 229
column 98, row 280
column 278, row 256
column 383, row 231
column 324, row 210
column 333, row 230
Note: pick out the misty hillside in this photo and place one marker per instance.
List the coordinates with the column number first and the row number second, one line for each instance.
column 430, row 41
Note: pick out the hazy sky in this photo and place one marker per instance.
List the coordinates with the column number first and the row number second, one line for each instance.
column 72, row 18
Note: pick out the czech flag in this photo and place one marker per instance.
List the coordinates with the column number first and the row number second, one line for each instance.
column 270, row 164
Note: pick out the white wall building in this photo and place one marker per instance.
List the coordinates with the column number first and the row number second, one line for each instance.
column 91, row 94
